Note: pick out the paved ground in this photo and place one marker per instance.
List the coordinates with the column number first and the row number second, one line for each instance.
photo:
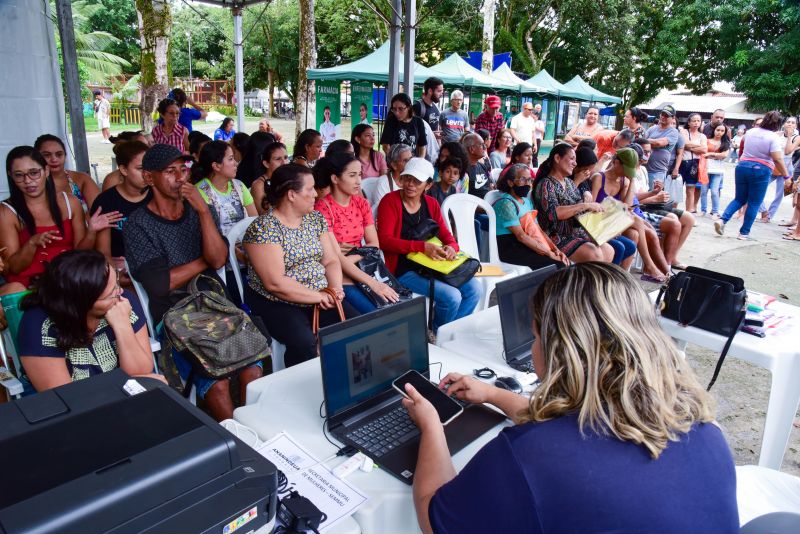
column 766, row 264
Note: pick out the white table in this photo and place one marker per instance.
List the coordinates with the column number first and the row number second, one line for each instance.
column 478, row 337
column 290, row 401
column 779, row 353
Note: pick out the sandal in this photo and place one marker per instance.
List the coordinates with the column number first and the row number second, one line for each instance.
column 787, row 224
column 654, row 279
column 679, row 266
column 791, row 237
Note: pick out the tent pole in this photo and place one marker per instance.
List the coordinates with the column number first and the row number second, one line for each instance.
column 237, row 48
column 393, row 86
column 410, row 44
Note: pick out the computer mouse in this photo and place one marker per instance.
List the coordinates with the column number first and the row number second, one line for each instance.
column 509, row 383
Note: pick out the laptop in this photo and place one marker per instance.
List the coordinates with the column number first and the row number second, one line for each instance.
column 360, row 359
column 513, row 300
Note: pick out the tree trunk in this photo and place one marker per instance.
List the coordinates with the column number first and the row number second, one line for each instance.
column 155, row 24
column 487, row 62
column 308, row 60
column 271, row 85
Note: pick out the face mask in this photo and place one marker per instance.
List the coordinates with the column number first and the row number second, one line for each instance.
column 522, row 190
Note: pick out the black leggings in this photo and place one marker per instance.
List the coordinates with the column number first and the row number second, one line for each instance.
column 512, row 251
column 290, row 324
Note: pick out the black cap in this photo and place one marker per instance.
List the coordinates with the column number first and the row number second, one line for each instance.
column 668, row 109
column 158, row 157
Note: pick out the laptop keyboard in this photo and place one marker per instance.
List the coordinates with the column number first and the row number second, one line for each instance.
column 384, row 434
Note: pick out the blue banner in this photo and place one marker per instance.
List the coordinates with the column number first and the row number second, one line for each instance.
column 475, row 58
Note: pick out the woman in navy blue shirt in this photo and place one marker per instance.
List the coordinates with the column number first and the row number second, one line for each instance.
column 618, row 437
column 79, row 323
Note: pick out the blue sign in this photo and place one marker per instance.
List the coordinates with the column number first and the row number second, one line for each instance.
column 475, row 59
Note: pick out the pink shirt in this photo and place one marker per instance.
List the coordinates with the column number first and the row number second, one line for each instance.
column 368, row 170
column 346, row 222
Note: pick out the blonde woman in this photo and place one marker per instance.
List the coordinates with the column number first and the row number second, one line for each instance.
column 618, row 436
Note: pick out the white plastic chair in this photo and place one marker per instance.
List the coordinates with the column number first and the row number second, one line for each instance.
column 761, row 491
column 144, row 300
column 234, row 236
column 462, row 207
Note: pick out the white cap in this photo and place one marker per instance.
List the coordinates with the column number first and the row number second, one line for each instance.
column 419, row 168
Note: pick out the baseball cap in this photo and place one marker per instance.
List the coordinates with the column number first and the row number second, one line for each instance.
column 158, row 157
column 668, row 109
column 493, row 101
column 419, row 168
column 629, row 160
column 527, row 105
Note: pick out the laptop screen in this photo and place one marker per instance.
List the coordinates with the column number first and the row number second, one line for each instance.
column 362, row 356
column 513, row 299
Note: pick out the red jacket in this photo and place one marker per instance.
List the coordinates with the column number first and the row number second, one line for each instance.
column 390, row 224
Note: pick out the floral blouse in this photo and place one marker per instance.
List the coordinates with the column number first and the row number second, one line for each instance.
column 302, row 250
column 549, row 195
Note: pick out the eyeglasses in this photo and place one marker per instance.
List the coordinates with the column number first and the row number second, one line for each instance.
column 115, row 293
column 33, row 174
column 523, row 181
column 399, row 109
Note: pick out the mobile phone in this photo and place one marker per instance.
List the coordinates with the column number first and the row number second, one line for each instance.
column 447, row 408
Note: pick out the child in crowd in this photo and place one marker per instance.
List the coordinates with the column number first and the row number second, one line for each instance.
column 450, row 180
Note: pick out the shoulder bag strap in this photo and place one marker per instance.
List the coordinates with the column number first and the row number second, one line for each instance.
column 726, row 348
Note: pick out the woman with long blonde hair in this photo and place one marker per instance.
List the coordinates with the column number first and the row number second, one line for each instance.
column 618, row 436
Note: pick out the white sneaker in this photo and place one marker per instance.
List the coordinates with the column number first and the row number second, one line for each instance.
column 719, row 227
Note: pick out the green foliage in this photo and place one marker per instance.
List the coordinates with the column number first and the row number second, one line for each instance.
column 118, row 18
column 212, row 42
column 762, row 40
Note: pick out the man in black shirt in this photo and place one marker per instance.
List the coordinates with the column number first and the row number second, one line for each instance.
column 169, row 241
column 478, row 170
column 426, row 107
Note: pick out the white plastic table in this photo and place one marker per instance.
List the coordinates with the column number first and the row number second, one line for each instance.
column 779, row 353
column 478, row 337
column 290, row 401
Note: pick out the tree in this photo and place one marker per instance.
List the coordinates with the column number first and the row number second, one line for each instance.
column 308, row 60
column 155, row 23
column 212, row 42
column 118, row 18
column 487, row 44
column 758, row 47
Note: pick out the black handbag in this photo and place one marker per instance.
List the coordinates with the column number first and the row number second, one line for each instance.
column 708, row 300
column 372, row 264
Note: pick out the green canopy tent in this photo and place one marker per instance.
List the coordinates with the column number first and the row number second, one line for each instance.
column 543, row 79
column 504, row 73
column 578, row 84
column 455, row 67
column 374, row 67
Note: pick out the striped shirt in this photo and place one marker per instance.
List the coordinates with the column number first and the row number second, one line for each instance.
column 175, row 138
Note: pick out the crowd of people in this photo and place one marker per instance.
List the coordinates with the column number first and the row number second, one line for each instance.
column 166, row 215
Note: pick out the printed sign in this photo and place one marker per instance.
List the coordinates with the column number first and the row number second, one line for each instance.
column 329, row 113
column 361, row 98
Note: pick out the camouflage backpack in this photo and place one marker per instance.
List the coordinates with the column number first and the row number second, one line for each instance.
column 216, row 336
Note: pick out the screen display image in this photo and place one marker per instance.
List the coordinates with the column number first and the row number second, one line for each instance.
column 514, row 301
column 361, row 358
column 446, row 407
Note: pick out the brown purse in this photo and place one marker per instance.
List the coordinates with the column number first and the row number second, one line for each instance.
column 315, row 316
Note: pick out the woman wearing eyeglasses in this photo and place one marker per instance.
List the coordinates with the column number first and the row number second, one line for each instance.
column 36, row 223
column 403, row 127
column 169, row 131
column 80, row 323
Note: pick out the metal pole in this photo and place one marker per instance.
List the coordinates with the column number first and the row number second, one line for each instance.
column 237, row 47
column 393, row 86
column 410, row 18
column 70, row 58
column 189, row 36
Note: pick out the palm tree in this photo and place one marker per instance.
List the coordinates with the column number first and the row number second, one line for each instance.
column 90, row 45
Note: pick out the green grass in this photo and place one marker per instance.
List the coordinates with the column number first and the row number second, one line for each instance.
column 91, row 125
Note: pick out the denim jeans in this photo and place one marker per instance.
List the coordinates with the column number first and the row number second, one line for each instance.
column 357, row 299
column 449, row 303
column 715, row 186
column 752, row 180
column 623, row 248
column 776, row 201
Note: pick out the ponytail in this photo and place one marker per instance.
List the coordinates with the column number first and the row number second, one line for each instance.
column 212, row 152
